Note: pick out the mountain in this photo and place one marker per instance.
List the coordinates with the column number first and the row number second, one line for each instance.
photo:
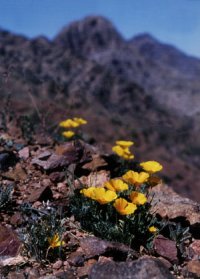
column 140, row 89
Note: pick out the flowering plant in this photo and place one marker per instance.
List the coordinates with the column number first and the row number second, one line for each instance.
column 71, row 124
column 119, row 210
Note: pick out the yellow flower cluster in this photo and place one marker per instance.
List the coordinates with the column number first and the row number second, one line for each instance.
column 71, row 123
column 122, row 149
column 104, row 196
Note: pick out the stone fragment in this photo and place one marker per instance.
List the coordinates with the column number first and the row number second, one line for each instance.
column 97, row 163
column 57, row 264
column 76, row 258
column 57, row 176
column 83, row 271
column 51, row 163
column 16, row 174
column 43, row 193
column 169, row 204
column 144, row 268
column 76, row 151
column 9, row 242
column 24, row 153
column 16, row 219
column 93, row 246
column 96, row 179
column 12, row 261
column 194, row 250
column 193, row 267
column 165, row 248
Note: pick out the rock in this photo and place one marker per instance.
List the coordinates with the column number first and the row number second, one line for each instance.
column 44, row 193
column 16, row 219
column 165, row 248
column 57, row 264
column 94, row 179
column 169, row 204
column 9, row 242
column 12, row 261
column 193, row 268
column 76, row 151
column 96, row 164
column 76, row 258
column 51, row 162
column 57, row 176
column 83, row 271
column 194, row 250
column 7, row 159
column 145, row 268
column 24, row 153
column 16, row 174
column 93, row 246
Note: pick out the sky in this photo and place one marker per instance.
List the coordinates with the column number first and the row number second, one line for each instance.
column 176, row 22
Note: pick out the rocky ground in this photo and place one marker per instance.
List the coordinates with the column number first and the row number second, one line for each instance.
column 39, row 174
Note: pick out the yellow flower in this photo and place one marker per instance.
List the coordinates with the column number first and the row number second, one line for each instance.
column 138, row 198
column 101, row 195
column 55, row 241
column 116, row 185
column 134, row 177
column 89, row 192
column 124, row 143
column 122, row 152
column 80, row 121
column 153, row 229
column 124, row 207
column 104, row 196
column 68, row 134
column 118, row 150
column 68, row 123
column 151, row 166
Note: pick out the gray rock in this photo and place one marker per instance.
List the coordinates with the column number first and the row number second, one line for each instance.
column 145, row 268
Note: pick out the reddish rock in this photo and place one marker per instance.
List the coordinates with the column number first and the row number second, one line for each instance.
column 16, row 174
column 57, row 176
column 169, row 204
column 165, row 248
column 193, row 267
column 96, row 179
column 194, row 250
column 44, row 193
column 16, row 219
column 76, row 258
column 93, row 246
column 24, row 153
column 51, row 161
column 9, row 242
column 83, row 271
column 57, row 264
column 97, row 163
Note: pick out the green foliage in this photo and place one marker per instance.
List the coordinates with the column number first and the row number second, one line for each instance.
column 5, row 195
column 105, row 222
column 40, row 226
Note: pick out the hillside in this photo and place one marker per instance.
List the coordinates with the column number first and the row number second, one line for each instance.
column 140, row 89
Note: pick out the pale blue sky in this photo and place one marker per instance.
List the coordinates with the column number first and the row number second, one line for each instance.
column 173, row 21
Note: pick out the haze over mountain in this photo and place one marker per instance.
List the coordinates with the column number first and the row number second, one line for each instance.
column 141, row 89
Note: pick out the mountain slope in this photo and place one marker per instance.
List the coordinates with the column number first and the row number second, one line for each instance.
column 141, row 89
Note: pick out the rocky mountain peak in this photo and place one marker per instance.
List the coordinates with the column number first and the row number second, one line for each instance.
column 90, row 34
